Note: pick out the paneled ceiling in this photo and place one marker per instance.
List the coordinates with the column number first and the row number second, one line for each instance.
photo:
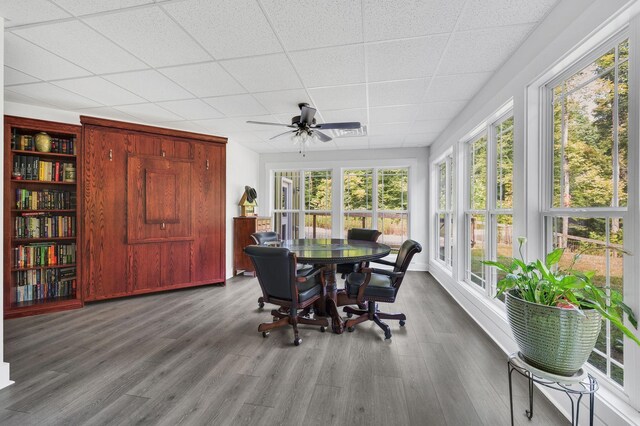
column 403, row 68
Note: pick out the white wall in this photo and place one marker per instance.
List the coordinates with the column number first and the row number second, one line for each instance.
column 567, row 26
column 418, row 184
column 242, row 169
column 4, row 366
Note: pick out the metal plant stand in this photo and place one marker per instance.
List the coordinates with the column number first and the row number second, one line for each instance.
column 575, row 387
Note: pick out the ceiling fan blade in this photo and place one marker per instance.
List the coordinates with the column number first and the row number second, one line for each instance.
column 322, row 136
column 270, row 124
column 306, row 114
column 282, row 134
column 345, row 125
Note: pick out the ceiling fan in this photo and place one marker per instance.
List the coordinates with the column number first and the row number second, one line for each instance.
column 305, row 127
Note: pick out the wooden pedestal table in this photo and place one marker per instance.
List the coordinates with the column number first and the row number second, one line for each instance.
column 329, row 253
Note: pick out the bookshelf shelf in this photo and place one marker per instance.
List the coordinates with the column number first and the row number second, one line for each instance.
column 41, row 207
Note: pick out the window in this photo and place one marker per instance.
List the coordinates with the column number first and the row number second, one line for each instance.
column 444, row 211
column 489, row 214
column 312, row 189
column 384, row 206
column 587, row 197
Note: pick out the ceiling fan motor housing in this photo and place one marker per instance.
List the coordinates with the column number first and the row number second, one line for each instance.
column 296, row 121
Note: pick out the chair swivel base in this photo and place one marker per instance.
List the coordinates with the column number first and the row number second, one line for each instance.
column 281, row 319
column 372, row 314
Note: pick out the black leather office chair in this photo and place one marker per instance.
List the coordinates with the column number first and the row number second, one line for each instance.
column 262, row 238
column 276, row 272
column 357, row 234
column 372, row 285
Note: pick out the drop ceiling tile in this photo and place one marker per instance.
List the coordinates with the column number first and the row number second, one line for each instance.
column 150, row 85
column 191, row 109
column 396, row 92
column 494, row 13
column 404, row 59
column 283, row 101
column 429, row 126
column 151, row 35
column 28, row 12
column 335, row 116
column 18, row 98
column 439, row 110
column 236, row 105
column 106, row 112
column 419, row 139
column 245, row 138
column 208, row 79
column 53, row 95
column 260, row 148
column 82, row 46
column 268, row 132
column 227, row 29
column 188, row 126
column 100, row 90
column 387, row 141
column 393, row 114
column 352, row 143
column 481, row 50
column 323, row 146
column 149, row 113
column 85, row 7
column 385, row 20
column 225, row 126
column 334, row 22
column 12, row 76
column 455, row 87
column 331, row 66
column 33, row 60
column 339, row 97
column 263, row 73
column 387, row 129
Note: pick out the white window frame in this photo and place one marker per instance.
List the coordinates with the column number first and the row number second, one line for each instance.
column 549, row 212
column 449, row 214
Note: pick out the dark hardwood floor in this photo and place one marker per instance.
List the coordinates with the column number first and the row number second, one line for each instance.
column 195, row 357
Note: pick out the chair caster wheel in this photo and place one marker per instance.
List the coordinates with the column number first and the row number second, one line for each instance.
column 349, row 315
column 297, row 341
column 351, row 329
column 323, row 329
column 265, row 334
column 387, row 335
column 402, row 323
column 260, row 305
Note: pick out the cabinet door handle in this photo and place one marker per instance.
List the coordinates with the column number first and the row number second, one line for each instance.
column 164, row 154
column 163, row 226
column 110, row 155
column 207, row 164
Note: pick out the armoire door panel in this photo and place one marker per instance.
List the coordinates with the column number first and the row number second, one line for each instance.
column 159, row 200
column 145, row 266
column 104, row 224
column 176, row 263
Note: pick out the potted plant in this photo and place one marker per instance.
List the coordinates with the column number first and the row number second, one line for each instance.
column 555, row 314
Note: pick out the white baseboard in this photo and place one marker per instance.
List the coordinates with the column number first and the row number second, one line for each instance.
column 4, row 375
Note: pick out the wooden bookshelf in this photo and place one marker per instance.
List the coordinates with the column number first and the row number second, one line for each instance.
column 33, row 200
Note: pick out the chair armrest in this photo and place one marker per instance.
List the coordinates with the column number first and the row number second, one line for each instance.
column 386, row 272
column 312, row 273
column 383, row 262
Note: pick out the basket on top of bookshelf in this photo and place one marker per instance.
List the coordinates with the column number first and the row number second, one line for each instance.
column 41, row 273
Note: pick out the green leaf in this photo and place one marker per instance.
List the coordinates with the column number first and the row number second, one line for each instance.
column 554, row 257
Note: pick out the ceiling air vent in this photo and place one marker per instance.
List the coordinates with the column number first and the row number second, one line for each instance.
column 349, row 133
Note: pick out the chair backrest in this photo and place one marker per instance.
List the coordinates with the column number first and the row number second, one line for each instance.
column 264, row 237
column 363, row 234
column 405, row 254
column 275, row 269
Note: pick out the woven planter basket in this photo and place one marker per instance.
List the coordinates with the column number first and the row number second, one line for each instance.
column 552, row 339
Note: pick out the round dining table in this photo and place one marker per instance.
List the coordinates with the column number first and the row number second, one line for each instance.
column 329, row 253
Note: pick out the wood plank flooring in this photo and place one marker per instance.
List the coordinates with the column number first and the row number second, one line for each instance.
column 194, row 357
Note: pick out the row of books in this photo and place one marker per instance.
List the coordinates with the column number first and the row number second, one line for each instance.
column 26, row 167
column 43, row 254
column 58, row 145
column 45, row 199
column 42, row 225
column 47, row 284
